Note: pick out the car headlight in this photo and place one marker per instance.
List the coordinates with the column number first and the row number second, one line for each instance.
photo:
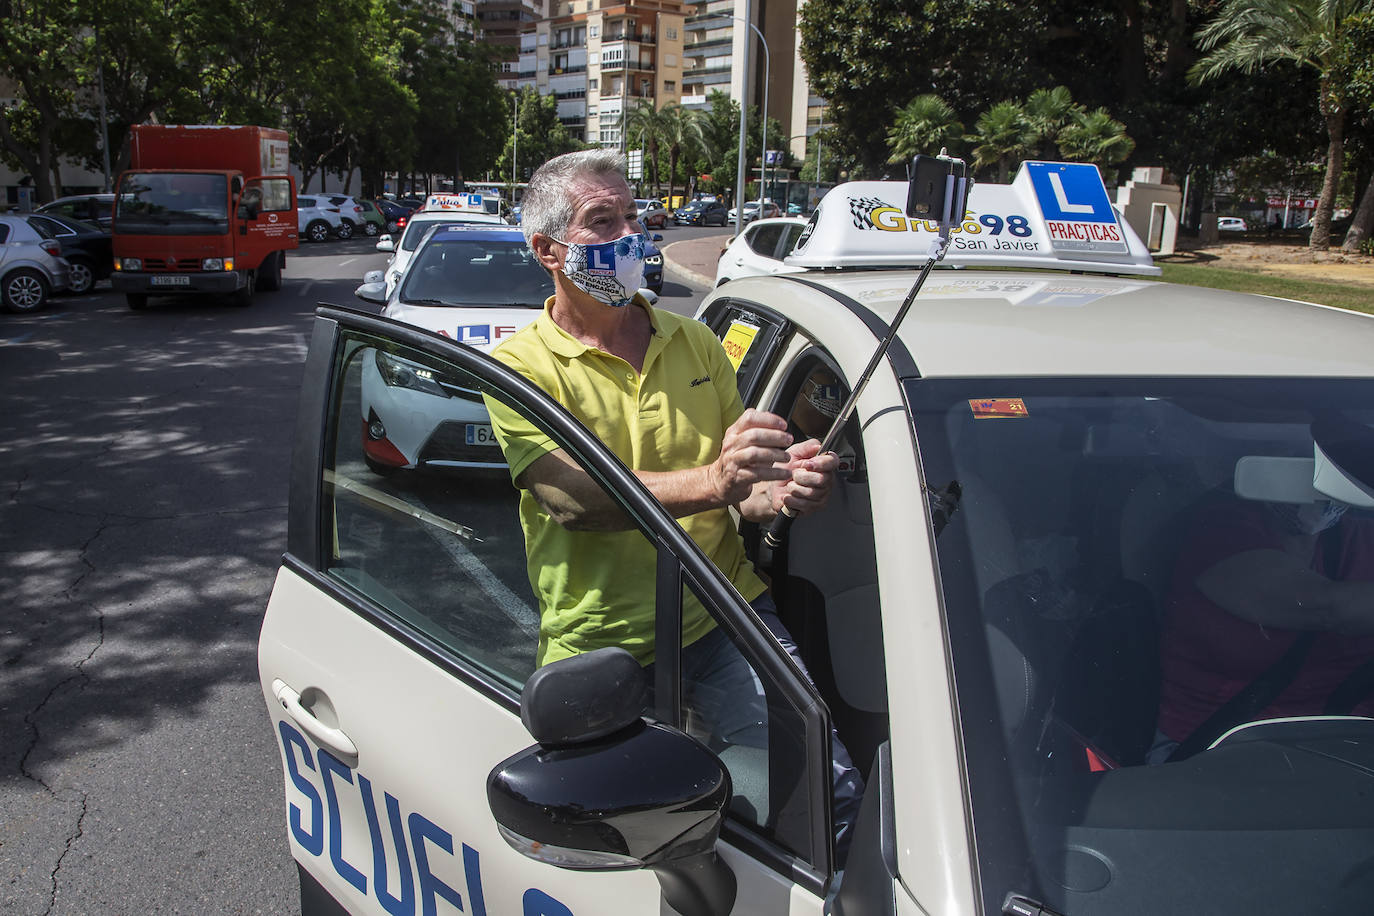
column 217, row 264
column 400, row 373
column 653, row 260
column 129, row 263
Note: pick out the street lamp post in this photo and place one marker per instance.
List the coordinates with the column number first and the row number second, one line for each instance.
column 743, row 108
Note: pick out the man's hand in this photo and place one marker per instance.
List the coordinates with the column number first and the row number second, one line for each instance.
column 754, row 450
column 813, row 475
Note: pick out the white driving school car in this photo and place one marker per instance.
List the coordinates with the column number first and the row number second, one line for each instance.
column 455, row 209
column 474, row 284
column 998, row 605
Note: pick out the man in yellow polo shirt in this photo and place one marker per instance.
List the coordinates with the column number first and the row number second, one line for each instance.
column 660, row 392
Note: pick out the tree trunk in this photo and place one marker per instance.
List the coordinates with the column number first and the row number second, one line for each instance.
column 1335, row 158
column 1362, row 223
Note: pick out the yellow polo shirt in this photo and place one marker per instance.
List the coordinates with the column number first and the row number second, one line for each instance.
column 595, row 588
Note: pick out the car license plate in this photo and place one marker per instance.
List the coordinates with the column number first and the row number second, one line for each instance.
column 171, row 280
column 480, row 434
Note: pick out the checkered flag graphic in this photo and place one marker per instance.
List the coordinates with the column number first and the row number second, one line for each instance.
column 862, row 209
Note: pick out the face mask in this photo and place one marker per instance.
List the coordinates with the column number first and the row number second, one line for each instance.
column 1308, row 518
column 609, row 272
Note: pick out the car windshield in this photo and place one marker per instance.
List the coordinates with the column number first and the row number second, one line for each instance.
column 476, row 272
column 1131, row 570
column 170, row 203
column 416, row 229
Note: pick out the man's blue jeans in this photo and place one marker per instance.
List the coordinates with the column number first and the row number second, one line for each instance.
column 720, row 688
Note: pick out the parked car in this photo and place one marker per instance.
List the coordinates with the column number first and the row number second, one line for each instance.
column 472, row 283
column 374, row 220
column 1026, row 479
column 94, row 208
column 394, row 213
column 317, row 218
column 351, row 212
column 1231, row 224
column 701, row 213
column 87, row 248
column 751, row 211
column 653, row 263
column 652, row 213
column 31, row 265
column 758, row 250
column 440, row 208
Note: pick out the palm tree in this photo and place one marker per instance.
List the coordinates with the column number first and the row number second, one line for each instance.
column 681, row 133
column 925, row 125
column 644, row 126
column 1047, row 112
column 1003, row 137
column 1247, row 35
column 1096, row 137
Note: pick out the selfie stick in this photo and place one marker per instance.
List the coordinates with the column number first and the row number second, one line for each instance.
column 951, row 206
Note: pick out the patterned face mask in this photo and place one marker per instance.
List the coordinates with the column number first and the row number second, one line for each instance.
column 1308, row 518
column 609, row 272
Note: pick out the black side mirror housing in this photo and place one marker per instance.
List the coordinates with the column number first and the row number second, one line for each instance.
column 605, row 790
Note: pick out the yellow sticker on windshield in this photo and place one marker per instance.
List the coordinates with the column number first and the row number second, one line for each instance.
column 738, row 340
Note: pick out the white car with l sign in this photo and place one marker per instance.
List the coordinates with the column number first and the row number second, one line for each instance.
column 452, row 209
column 990, row 605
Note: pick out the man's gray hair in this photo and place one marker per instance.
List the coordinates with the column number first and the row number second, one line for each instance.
column 547, row 206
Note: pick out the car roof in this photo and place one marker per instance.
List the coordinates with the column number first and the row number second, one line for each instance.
column 476, row 232
column 1022, row 324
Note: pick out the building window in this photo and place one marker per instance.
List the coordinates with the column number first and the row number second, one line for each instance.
column 672, row 33
column 595, row 31
column 670, row 85
column 591, row 83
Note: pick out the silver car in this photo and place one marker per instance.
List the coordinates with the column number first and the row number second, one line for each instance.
column 31, row 266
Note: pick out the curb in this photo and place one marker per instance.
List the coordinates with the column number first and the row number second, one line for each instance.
column 698, row 278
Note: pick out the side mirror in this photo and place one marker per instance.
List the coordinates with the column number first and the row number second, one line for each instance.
column 605, row 790
column 649, row 295
column 386, row 244
column 374, row 292
column 374, row 276
column 657, row 237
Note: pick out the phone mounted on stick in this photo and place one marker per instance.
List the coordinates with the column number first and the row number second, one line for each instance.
column 937, row 191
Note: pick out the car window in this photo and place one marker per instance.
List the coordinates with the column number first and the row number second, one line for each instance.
column 50, row 228
column 307, row 202
column 764, row 240
column 4, row 232
column 438, row 559
column 276, row 194
column 791, row 233
column 751, row 336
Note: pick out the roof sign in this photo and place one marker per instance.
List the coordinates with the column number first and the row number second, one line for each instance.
column 469, row 202
column 1053, row 215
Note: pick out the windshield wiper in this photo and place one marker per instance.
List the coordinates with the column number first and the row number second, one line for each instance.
column 425, row 302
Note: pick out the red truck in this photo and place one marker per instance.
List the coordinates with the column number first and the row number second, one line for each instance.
column 203, row 209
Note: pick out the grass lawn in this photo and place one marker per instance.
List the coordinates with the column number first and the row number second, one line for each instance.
column 1344, row 295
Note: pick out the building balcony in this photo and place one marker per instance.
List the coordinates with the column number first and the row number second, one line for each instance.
column 558, row 71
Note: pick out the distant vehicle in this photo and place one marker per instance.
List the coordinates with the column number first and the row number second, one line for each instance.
column 396, row 214
column 751, row 211
column 758, row 250
column 317, row 219
column 653, row 263
column 31, row 265
column 203, row 209
column 439, row 208
column 701, row 213
column 1231, row 224
column 374, row 221
column 87, row 247
column 652, row 213
column 94, row 208
column 351, row 214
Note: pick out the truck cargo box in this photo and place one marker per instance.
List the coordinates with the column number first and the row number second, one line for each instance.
column 250, row 150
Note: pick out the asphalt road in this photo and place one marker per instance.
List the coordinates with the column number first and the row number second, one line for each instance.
column 143, row 469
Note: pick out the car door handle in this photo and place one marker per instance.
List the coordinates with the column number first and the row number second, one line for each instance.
column 326, row 736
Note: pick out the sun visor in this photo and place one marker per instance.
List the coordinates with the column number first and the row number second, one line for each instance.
column 1054, row 215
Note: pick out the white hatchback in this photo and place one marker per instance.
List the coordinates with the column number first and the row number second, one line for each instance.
column 316, row 217
column 1004, row 606
column 760, row 249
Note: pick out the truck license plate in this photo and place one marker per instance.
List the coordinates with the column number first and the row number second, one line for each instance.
column 480, row 434
column 172, row 280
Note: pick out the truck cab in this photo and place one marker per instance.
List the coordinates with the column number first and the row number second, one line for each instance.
column 203, row 210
